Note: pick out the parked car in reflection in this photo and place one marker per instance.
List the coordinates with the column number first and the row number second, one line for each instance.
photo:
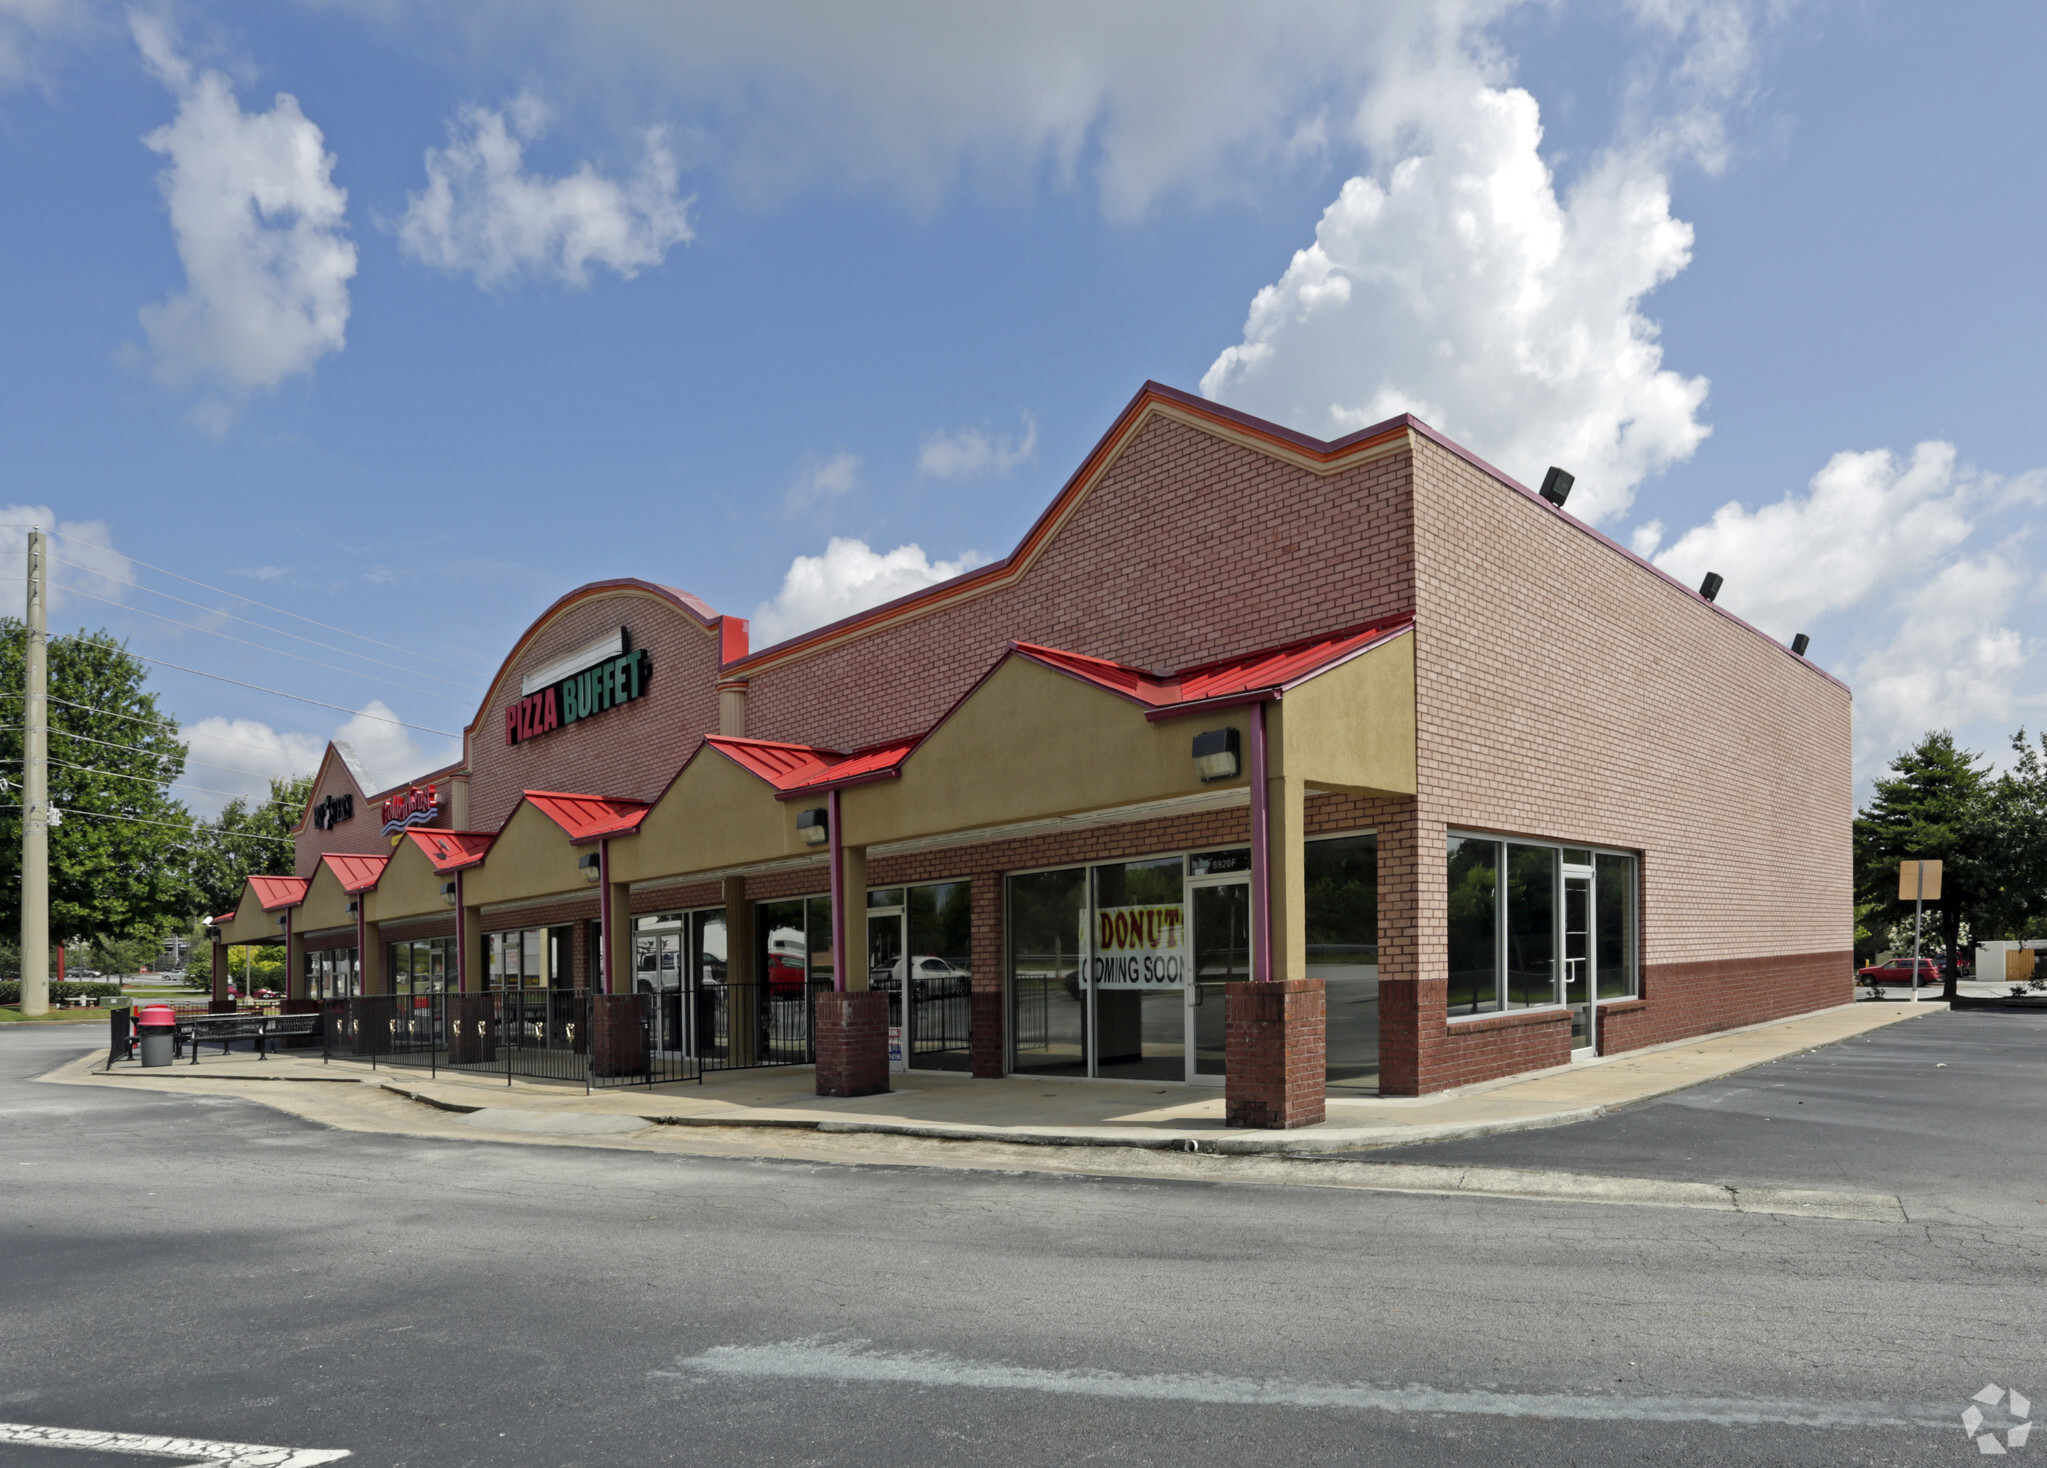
column 931, row 977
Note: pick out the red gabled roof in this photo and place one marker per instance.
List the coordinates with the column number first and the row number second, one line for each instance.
column 587, row 817
column 276, row 892
column 801, row 769
column 451, row 850
column 1247, row 678
column 355, row 873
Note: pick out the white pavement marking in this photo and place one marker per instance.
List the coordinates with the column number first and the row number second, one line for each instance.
column 191, row 1450
column 851, row 1361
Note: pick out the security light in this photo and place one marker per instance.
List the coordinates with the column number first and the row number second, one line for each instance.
column 1799, row 644
column 448, row 893
column 589, row 865
column 284, row 921
column 814, row 826
column 1215, row 754
column 1710, row 587
column 1556, row 485
column 353, row 906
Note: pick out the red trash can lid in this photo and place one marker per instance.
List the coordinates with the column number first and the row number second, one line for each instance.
column 156, row 1014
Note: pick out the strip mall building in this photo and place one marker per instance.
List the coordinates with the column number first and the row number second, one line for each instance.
column 1299, row 768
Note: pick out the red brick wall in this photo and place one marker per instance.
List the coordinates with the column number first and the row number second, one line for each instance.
column 361, row 836
column 633, row 750
column 1683, row 999
column 1189, row 547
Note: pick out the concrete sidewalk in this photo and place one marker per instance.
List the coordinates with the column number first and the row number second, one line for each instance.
column 1015, row 1111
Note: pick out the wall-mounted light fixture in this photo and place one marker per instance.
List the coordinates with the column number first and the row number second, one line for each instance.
column 213, row 935
column 352, row 908
column 284, row 921
column 1710, row 587
column 1215, row 755
column 814, row 826
column 1556, row 485
column 590, row 866
column 1799, row 644
column 448, row 893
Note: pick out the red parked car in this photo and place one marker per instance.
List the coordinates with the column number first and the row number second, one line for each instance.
column 1899, row 971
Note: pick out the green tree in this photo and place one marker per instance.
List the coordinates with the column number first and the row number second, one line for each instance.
column 119, row 854
column 2018, row 830
column 248, row 838
column 1937, row 804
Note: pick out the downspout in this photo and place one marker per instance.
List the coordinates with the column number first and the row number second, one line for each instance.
column 462, row 959
column 604, row 915
column 1261, row 857
column 362, row 955
column 287, row 956
column 838, row 894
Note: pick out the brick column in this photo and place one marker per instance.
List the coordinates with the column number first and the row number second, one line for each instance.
column 1413, row 958
column 1276, row 1054
column 990, row 1047
column 618, row 1034
column 852, row 1043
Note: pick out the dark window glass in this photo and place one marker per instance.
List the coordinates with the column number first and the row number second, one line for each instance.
column 1219, row 863
column 1474, row 925
column 784, row 954
column 817, row 916
column 885, row 897
column 941, row 981
column 1047, row 1016
column 1531, row 926
column 1615, row 932
column 1342, row 878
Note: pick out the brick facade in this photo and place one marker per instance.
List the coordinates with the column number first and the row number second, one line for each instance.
column 1275, row 1055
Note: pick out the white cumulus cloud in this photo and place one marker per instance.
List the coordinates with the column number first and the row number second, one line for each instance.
column 849, row 577
column 818, row 480
column 1951, row 662
column 240, row 756
column 485, row 215
column 1868, row 523
column 82, row 560
column 975, row 453
column 259, row 227
column 1463, row 289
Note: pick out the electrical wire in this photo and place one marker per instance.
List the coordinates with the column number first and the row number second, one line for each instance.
column 138, row 719
column 66, row 764
column 66, row 812
column 261, row 626
column 138, row 749
column 309, row 621
column 295, row 697
column 273, row 651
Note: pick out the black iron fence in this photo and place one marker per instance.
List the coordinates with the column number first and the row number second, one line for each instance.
column 679, row 1033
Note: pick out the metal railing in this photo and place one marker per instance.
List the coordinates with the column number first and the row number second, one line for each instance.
column 659, row 1035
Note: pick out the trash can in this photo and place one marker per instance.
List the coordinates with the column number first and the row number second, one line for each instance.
column 157, row 1024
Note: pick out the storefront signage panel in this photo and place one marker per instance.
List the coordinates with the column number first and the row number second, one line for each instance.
column 607, row 685
column 332, row 811
column 1140, row 947
column 416, row 807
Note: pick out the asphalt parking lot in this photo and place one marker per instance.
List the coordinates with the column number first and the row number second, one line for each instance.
column 212, row 1268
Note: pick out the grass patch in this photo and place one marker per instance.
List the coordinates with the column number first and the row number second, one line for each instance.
column 94, row 1015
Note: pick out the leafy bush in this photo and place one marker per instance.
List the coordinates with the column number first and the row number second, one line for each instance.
column 10, row 991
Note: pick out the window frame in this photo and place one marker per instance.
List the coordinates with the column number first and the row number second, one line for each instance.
column 1503, row 843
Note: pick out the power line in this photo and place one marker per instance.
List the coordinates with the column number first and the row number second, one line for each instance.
column 100, row 815
column 273, row 651
column 138, row 749
column 298, row 698
column 309, row 621
column 215, row 611
column 138, row 719
column 149, row 780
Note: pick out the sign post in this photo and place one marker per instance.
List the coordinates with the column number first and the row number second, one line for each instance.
column 1918, row 880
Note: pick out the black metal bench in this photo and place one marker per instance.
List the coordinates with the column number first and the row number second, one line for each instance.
column 263, row 1029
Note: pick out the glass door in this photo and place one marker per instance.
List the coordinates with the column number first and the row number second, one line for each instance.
column 1222, row 956
column 1577, row 920
column 886, row 972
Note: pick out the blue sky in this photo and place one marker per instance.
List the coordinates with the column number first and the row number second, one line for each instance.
column 796, row 308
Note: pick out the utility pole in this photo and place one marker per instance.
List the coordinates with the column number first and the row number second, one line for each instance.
column 35, row 787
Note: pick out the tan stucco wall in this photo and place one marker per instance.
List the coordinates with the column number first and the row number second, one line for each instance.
column 1351, row 729
column 715, row 815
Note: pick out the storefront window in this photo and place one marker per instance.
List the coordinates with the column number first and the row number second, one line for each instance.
column 941, row 982
column 1138, row 961
column 1531, row 926
column 1506, row 921
column 1614, row 926
column 331, row 974
column 1047, row 912
column 1342, row 877
column 1474, row 925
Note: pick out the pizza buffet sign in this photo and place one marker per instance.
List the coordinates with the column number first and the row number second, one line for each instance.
column 1140, row 947
column 592, row 690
